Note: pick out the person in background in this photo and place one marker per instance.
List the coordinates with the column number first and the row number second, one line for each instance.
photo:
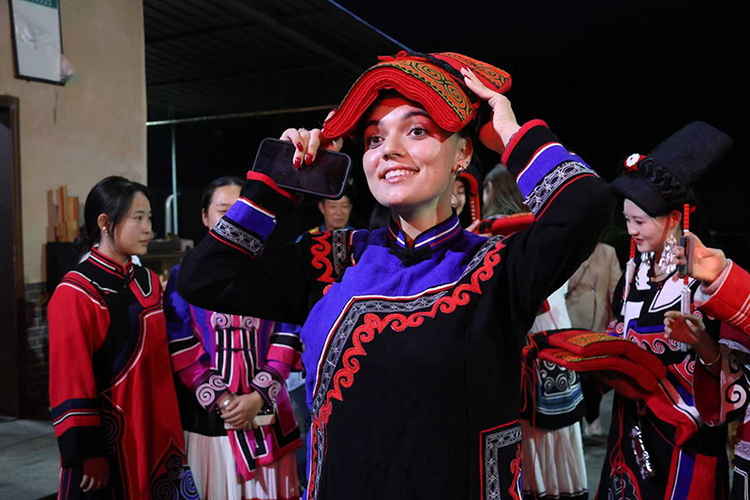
column 222, row 361
column 658, row 446
column 466, row 194
column 114, row 407
column 721, row 385
column 500, row 194
column 553, row 461
column 335, row 213
column 589, row 304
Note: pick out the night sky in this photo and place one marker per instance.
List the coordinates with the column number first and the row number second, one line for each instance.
column 610, row 78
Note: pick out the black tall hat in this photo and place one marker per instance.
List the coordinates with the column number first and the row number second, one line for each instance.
column 664, row 179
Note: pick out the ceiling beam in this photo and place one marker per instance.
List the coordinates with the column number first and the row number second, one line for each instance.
column 306, row 44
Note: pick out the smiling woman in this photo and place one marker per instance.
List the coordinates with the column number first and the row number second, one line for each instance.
column 412, row 333
column 658, row 191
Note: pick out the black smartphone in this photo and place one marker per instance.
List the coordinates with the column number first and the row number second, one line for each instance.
column 325, row 177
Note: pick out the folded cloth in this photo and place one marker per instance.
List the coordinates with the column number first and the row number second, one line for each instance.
column 618, row 363
column 433, row 80
column 588, row 343
column 625, row 367
column 618, row 368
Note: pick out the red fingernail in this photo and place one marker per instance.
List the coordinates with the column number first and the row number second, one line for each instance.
column 297, row 162
column 299, row 146
column 308, row 159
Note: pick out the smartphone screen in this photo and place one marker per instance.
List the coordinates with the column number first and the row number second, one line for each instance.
column 326, row 177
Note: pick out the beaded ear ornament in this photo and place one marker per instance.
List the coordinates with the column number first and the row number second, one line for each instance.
column 668, row 264
column 668, row 260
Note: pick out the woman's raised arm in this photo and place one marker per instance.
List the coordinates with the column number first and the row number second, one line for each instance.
column 233, row 270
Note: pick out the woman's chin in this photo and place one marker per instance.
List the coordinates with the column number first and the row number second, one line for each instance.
column 645, row 248
column 393, row 201
column 140, row 250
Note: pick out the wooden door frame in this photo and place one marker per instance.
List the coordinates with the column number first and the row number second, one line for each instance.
column 13, row 373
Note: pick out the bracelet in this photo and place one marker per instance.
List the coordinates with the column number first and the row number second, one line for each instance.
column 709, row 365
column 225, row 403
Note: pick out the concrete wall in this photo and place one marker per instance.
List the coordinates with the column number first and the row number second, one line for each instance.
column 92, row 127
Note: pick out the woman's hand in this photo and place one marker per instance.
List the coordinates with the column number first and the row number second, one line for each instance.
column 496, row 134
column 95, row 474
column 242, row 410
column 308, row 143
column 708, row 263
column 689, row 329
column 685, row 328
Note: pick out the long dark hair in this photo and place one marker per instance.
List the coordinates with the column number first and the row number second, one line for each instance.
column 208, row 193
column 506, row 197
column 111, row 196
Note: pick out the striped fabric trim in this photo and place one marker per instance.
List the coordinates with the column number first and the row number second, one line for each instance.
column 184, row 352
column 286, row 348
column 438, row 238
column 433, row 237
column 82, row 412
column 107, row 264
column 286, row 339
column 683, row 477
column 247, row 214
column 553, row 182
column 545, row 160
column 237, row 237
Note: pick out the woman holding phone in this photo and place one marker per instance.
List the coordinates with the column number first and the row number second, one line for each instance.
column 683, row 457
column 408, row 328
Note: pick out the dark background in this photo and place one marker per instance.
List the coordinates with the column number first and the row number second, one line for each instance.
column 610, row 78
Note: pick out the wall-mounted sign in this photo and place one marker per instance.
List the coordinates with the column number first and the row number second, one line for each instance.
column 37, row 39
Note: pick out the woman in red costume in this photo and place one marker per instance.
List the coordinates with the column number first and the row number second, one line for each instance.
column 721, row 385
column 114, row 407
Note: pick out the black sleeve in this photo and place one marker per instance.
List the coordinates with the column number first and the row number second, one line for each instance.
column 233, row 271
column 571, row 205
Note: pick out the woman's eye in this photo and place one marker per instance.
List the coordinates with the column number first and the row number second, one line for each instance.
column 418, row 131
column 373, row 141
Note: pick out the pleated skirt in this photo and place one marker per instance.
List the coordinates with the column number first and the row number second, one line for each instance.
column 553, row 463
column 212, row 462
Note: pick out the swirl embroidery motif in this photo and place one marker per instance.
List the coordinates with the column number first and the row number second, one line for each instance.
column 267, row 384
column 208, row 391
column 366, row 332
column 176, row 483
column 320, row 251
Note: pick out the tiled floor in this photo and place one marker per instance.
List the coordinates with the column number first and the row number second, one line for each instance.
column 29, row 463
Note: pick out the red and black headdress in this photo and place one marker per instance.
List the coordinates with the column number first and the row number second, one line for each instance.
column 433, row 80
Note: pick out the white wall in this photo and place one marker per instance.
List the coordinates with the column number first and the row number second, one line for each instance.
column 92, row 127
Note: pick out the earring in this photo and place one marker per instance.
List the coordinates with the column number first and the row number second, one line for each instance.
column 667, row 262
